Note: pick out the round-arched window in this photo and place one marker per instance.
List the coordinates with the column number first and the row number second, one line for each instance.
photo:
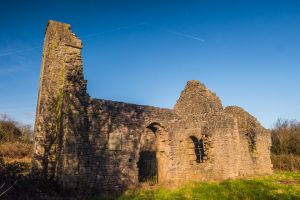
column 199, row 149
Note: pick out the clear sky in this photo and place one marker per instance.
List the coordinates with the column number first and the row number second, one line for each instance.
column 144, row 52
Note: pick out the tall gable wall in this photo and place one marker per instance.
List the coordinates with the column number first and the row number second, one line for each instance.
column 61, row 73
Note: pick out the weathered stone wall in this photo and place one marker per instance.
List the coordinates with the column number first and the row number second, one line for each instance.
column 118, row 168
column 255, row 143
column 61, row 54
column 93, row 145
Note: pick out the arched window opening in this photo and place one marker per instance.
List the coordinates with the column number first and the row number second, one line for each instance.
column 199, row 149
column 154, row 127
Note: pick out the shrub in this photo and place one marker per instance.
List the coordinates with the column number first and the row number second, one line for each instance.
column 11, row 130
column 286, row 145
column 286, row 137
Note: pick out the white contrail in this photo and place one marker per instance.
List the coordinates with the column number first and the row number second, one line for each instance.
column 179, row 33
column 112, row 30
column 84, row 36
column 186, row 35
column 19, row 51
column 100, row 33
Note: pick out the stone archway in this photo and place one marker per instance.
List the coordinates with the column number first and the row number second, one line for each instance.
column 150, row 164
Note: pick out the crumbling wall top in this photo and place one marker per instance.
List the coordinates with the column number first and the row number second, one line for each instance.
column 247, row 123
column 196, row 99
column 62, row 32
column 242, row 116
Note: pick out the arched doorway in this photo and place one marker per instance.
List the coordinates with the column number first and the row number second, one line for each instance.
column 148, row 158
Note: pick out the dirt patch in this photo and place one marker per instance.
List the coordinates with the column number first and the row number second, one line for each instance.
column 289, row 182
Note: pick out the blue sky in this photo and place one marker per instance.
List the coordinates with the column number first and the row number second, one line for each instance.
column 144, row 52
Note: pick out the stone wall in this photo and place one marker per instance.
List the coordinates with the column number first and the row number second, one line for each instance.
column 94, row 145
column 255, row 143
column 61, row 58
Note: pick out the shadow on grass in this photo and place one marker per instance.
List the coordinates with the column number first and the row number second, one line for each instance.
column 269, row 188
column 16, row 183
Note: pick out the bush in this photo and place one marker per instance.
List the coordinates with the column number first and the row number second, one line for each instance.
column 286, row 137
column 11, row 131
column 286, row 145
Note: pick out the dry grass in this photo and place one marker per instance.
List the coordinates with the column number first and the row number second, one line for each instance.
column 15, row 158
column 15, row 150
column 26, row 159
column 286, row 162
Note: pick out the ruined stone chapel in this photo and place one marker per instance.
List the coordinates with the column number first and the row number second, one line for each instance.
column 96, row 144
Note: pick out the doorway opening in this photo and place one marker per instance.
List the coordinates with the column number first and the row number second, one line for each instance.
column 147, row 166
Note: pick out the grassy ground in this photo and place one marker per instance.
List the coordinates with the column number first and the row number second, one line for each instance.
column 281, row 185
column 15, row 164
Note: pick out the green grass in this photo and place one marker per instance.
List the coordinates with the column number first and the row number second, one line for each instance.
column 268, row 187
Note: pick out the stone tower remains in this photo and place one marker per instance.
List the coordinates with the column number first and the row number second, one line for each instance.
column 95, row 145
